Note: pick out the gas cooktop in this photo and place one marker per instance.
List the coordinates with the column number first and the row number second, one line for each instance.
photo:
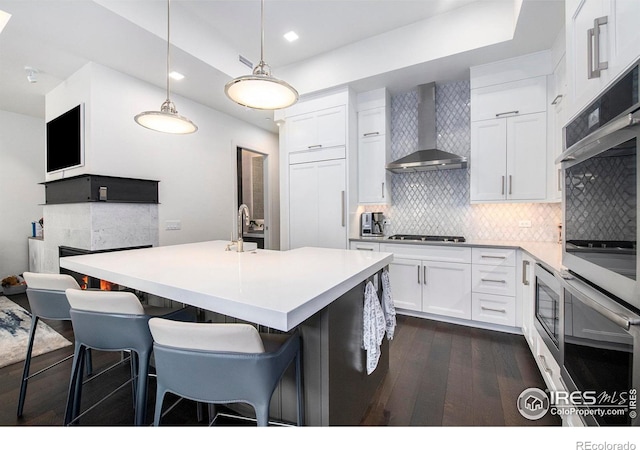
column 426, row 237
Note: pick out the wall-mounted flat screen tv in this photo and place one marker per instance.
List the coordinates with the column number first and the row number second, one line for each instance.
column 65, row 140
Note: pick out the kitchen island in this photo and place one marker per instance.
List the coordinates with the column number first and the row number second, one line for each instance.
column 317, row 290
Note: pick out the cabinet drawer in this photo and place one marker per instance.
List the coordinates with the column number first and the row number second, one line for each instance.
column 494, row 256
column 318, row 154
column 367, row 246
column 498, row 280
column 508, row 99
column 496, row 309
column 430, row 252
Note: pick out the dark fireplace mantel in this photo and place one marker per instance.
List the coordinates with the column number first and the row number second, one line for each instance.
column 100, row 188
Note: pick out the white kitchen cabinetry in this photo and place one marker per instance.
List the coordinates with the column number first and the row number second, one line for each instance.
column 373, row 147
column 507, row 99
column 602, row 40
column 431, row 279
column 317, row 129
column 317, row 204
column 509, row 158
column 36, row 255
column 558, row 97
column 494, row 286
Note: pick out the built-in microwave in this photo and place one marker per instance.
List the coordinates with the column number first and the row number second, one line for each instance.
column 600, row 195
column 548, row 310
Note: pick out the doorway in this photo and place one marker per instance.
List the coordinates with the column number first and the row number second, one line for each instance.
column 252, row 191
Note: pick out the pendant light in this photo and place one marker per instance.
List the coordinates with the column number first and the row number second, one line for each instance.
column 260, row 90
column 167, row 120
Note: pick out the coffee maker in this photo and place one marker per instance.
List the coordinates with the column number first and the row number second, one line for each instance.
column 371, row 224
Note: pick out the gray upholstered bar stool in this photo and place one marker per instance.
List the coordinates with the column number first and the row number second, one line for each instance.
column 109, row 321
column 47, row 300
column 223, row 363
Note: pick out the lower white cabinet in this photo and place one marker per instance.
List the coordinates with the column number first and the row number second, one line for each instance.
column 421, row 283
column 36, row 255
column 317, row 204
column 527, row 297
column 494, row 286
column 367, row 246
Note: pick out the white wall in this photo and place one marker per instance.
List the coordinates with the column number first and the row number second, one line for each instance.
column 197, row 172
column 21, row 169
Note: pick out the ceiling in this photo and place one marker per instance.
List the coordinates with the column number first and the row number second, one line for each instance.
column 356, row 42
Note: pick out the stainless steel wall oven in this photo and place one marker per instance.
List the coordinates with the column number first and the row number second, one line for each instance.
column 600, row 199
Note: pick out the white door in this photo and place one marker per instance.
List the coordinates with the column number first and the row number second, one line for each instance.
column 625, row 40
column 331, row 127
column 446, row 289
column 303, row 205
column 580, row 17
column 371, row 170
column 405, row 276
column 527, row 157
column 331, row 204
column 302, row 132
column 488, row 160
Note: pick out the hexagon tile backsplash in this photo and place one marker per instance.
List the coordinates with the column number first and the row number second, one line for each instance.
column 438, row 202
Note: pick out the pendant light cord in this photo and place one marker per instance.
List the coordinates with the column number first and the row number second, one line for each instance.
column 262, row 32
column 168, row 44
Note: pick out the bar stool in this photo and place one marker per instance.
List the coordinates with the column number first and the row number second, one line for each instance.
column 109, row 321
column 47, row 300
column 223, row 363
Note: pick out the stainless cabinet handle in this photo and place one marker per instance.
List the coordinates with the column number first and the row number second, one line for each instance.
column 315, row 146
column 364, row 248
column 510, row 184
column 525, row 265
column 560, row 179
column 424, row 278
column 383, row 189
column 374, row 133
column 544, row 365
column 343, row 205
column 593, row 49
column 502, row 183
column 557, row 99
column 419, row 282
column 486, row 308
column 508, row 112
column 491, row 280
column 493, row 256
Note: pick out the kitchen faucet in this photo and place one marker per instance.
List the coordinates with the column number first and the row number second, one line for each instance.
column 243, row 210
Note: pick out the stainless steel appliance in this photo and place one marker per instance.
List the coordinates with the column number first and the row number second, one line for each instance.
column 601, row 352
column 371, row 224
column 600, row 198
column 549, row 314
column 426, row 237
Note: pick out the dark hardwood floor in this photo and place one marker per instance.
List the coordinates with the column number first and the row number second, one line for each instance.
column 440, row 375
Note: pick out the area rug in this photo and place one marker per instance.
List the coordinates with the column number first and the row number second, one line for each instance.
column 15, row 323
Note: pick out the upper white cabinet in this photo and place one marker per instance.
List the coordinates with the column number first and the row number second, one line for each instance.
column 508, row 99
column 509, row 130
column 373, row 147
column 317, row 129
column 509, row 158
column 602, row 40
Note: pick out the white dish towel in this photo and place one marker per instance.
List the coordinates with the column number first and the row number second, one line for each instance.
column 388, row 308
column 374, row 326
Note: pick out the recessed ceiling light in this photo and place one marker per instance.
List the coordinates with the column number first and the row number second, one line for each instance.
column 4, row 18
column 291, row 36
column 176, row 75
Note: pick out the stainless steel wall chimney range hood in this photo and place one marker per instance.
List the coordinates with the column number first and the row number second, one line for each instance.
column 428, row 157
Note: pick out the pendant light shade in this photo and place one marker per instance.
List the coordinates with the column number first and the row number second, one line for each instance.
column 167, row 120
column 260, row 90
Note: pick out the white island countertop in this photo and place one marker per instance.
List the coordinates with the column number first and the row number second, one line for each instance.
column 278, row 289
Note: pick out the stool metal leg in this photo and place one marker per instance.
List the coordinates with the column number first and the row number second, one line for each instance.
column 75, row 385
column 27, row 365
